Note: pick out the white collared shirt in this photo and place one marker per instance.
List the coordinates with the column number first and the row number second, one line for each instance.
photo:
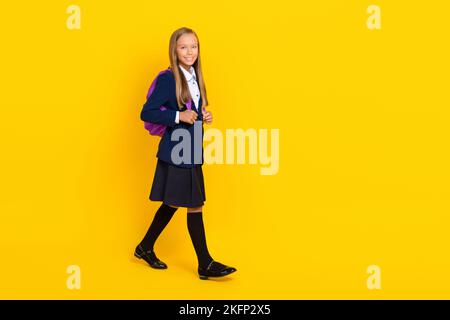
column 194, row 90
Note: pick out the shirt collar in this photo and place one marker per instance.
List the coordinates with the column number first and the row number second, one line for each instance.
column 187, row 74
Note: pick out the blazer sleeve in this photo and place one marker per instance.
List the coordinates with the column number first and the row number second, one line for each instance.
column 151, row 111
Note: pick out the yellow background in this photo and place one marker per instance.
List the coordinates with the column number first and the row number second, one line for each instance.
column 363, row 178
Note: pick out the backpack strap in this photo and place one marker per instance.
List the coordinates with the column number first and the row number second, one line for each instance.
column 153, row 85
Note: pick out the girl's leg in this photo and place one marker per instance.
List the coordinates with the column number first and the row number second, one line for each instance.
column 197, row 209
column 198, row 237
column 160, row 221
column 207, row 267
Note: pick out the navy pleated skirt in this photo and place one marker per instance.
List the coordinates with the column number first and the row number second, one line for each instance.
column 181, row 187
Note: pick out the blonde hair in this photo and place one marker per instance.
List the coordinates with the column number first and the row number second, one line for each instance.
column 182, row 89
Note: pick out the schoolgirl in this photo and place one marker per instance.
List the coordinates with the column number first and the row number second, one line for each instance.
column 180, row 184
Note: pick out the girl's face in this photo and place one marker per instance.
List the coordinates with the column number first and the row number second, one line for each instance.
column 187, row 50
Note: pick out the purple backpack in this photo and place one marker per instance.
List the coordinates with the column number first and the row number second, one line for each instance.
column 156, row 129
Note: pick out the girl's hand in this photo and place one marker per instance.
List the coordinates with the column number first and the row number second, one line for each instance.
column 207, row 116
column 188, row 116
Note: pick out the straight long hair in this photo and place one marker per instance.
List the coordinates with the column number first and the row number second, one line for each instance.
column 182, row 89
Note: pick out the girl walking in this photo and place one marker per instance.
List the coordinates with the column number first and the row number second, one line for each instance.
column 178, row 102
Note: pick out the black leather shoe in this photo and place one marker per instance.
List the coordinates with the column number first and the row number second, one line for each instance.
column 150, row 257
column 215, row 269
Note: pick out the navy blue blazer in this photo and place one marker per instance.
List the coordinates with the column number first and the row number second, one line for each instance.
column 164, row 94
